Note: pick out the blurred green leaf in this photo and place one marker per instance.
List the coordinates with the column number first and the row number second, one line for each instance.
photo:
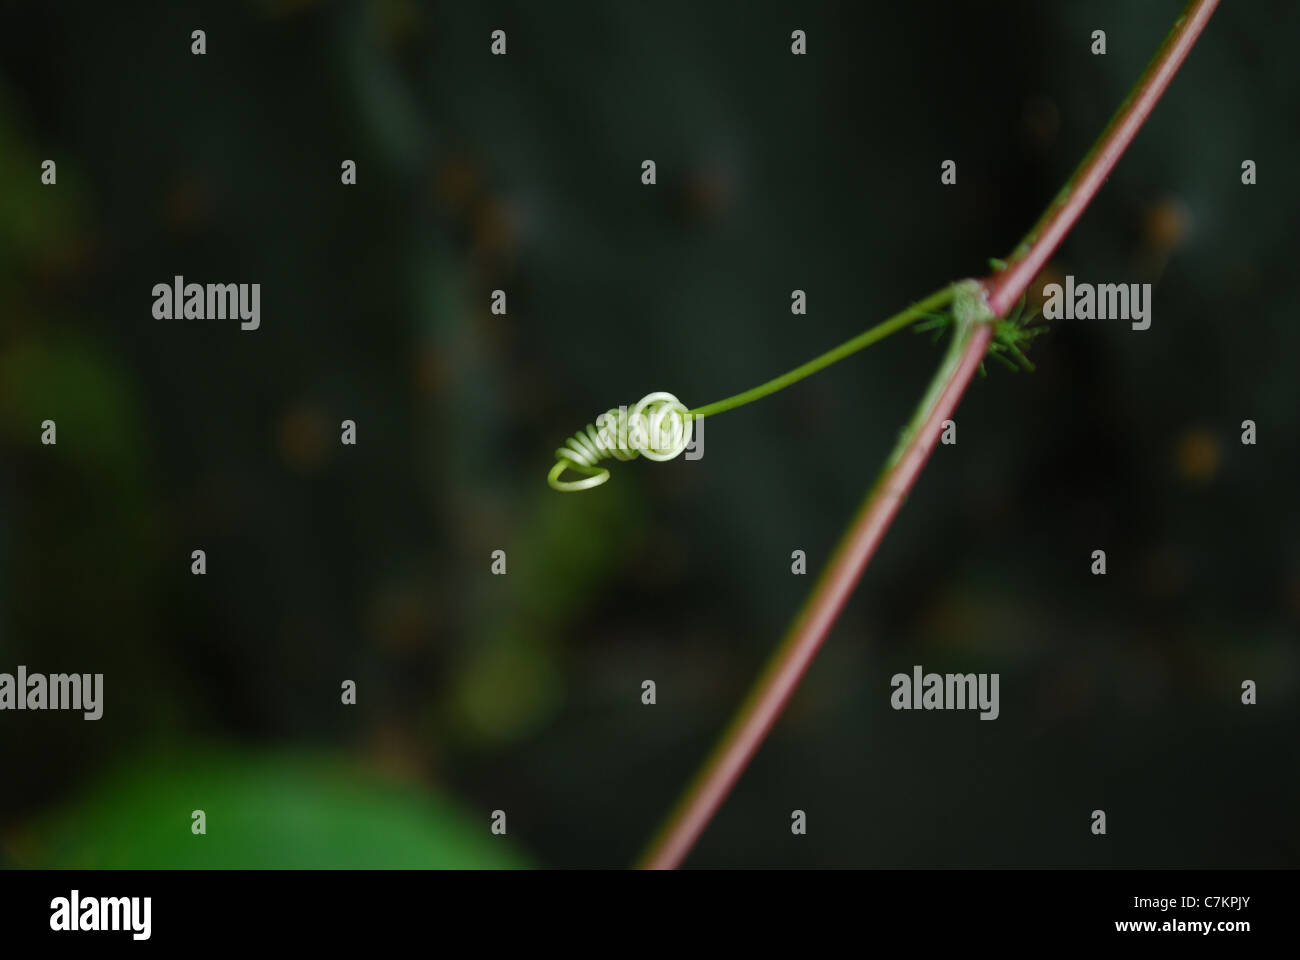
column 84, row 390
column 264, row 811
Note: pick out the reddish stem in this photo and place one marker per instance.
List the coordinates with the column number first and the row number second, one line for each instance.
column 792, row 658
column 1041, row 242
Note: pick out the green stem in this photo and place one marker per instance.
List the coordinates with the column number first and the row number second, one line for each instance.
column 944, row 376
column 881, row 330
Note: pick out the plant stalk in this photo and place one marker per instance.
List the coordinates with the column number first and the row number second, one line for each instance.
column 791, row 659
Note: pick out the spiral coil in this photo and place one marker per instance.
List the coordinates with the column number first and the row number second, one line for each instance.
column 659, row 427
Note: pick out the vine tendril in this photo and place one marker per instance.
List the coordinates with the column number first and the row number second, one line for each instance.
column 659, row 427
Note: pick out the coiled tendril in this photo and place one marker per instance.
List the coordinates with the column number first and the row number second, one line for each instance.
column 659, row 427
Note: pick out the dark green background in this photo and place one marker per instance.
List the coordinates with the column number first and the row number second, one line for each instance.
column 522, row 692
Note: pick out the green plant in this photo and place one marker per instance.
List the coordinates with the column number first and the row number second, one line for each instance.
column 983, row 323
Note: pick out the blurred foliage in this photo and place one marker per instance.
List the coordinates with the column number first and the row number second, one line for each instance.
column 263, row 810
